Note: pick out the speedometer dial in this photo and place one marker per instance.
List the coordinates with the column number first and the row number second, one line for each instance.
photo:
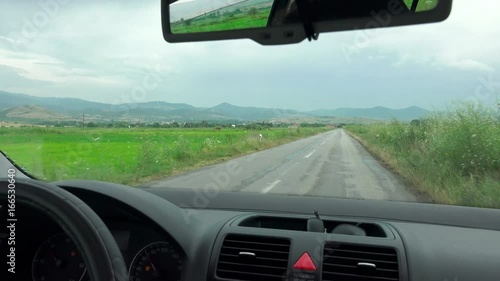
column 157, row 261
column 57, row 259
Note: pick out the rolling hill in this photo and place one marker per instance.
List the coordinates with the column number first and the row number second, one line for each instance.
column 15, row 106
column 31, row 112
column 63, row 105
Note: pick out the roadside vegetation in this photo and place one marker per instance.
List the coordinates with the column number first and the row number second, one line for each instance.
column 454, row 156
column 134, row 155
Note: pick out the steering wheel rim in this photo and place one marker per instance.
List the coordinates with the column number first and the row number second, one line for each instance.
column 91, row 236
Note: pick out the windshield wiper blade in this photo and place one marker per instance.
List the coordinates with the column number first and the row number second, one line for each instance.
column 7, row 163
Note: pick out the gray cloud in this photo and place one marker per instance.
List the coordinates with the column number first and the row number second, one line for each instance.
column 100, row 50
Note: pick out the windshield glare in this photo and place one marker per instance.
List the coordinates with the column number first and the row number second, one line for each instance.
column 90, row 90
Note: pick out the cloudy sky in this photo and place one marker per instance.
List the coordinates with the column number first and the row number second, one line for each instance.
column 103, row 50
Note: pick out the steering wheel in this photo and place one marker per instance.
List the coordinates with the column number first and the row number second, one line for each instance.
column 92, row 238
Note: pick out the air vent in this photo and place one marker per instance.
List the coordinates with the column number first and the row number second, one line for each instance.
column 300, row 224
column 250, row 258
column 344, row 262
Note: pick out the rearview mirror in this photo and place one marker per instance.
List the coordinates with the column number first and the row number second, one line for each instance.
column 272, row 22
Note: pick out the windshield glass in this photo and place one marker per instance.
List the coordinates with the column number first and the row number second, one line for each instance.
column 90, row 90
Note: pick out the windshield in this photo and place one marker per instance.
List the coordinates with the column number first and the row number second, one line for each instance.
column 90, row 90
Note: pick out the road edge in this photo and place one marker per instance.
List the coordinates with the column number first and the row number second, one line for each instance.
column 421, row 196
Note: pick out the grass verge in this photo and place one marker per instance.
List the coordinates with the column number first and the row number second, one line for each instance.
column 454, row 157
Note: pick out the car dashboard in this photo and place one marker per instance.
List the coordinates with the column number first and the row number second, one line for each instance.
column 42, row 243
column 167, row 234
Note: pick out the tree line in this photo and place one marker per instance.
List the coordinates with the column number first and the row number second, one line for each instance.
column 166, row 125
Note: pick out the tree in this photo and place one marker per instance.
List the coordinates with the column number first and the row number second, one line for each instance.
column 416, row 122
column 253, row 12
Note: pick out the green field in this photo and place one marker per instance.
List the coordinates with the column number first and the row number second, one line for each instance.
column 132, row 156
column 247, row 14
column 454, row 157
column 423, row 5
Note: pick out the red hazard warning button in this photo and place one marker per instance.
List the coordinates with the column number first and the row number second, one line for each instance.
column 305, row 263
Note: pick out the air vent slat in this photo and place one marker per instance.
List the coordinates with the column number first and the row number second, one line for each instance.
column 254, row 243
column 345, row 247
column 264, row 259
column 360, row 259
column 354, row 277
column 254, row 250
column 253, row 266
column 362, row 252
column 345, row 262
column 355, row 266
column 248, row 276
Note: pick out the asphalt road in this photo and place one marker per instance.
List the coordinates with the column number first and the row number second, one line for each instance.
column 330, row 164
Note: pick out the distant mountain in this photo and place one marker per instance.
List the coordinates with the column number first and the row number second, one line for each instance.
column 149, row 111
column 379, row 112
column 62, row 105
column 250, row 113
column 76, row 107
column 29, row 107
column 31, row 112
